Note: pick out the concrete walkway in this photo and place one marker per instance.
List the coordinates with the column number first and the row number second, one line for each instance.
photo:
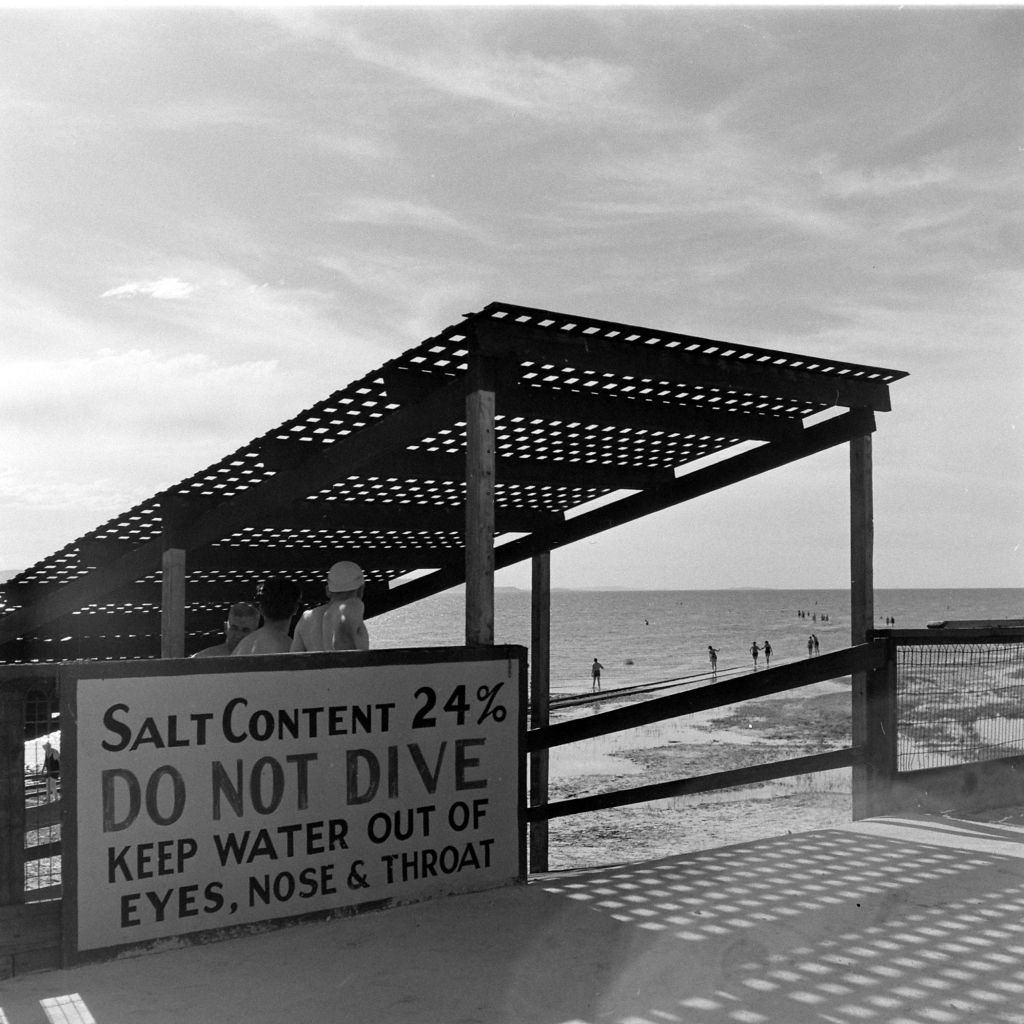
column 893, row 920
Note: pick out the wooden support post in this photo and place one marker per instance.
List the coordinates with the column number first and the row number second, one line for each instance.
column 875, row 727
column 172, row 604
column 12, row 796
column 480, row 503
column 862, row 541
column 862, row 613
column 540, row 691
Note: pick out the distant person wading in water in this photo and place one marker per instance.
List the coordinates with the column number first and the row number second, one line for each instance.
column 595, row 675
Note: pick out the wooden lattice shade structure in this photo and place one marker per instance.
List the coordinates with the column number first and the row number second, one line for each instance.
column 472, row 451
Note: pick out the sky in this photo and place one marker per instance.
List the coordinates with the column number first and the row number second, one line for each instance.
column 213, row 218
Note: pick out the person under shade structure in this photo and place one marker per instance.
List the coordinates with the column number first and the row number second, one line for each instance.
column 243, row 619
column 337, row 625
column 279, row 599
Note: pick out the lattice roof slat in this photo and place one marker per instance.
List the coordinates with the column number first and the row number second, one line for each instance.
column 585, row 408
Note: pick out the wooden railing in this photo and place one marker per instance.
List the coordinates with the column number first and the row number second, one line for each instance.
column 865, row 658
column 29, row 917
column 877, row 786
column 30, row 928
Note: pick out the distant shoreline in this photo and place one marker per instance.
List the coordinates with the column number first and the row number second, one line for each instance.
column 738, row 590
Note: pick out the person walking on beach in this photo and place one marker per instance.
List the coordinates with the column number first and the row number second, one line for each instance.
column 713, row 658
column 595, row 675
column 814, row 640
column 810, row 646
column 754, row 651
column 767, row 648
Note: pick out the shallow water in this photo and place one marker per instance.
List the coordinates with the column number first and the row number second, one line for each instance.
column 640, row 636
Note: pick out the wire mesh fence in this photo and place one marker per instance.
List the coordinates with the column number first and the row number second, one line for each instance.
column 959, row 703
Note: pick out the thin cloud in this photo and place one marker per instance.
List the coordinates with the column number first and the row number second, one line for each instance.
column 205, row 112
column 379, row 210
column 884, row 181
column 165, row 288
column 353, row 146
column 49, row 490
column 453, row 62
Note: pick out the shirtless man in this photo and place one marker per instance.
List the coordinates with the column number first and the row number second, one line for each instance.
column 595, row 675
column 243, row 619
column 337, row 625
column 279, row 601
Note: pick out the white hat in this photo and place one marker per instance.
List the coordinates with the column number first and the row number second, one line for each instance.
column 344, row 576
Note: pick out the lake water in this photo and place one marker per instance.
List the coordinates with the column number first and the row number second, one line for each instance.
column 642, row 636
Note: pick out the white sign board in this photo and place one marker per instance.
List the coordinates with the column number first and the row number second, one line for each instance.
column 210, row 797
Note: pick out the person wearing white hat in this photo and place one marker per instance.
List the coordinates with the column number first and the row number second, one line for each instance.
column 337, row 625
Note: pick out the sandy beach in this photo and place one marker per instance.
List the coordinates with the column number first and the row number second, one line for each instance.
column 768, row 729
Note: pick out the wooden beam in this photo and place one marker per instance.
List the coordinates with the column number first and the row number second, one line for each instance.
column 282, row 559
column 212, row 593
column 755, row 376
column 518, row 398
column 335, row 516
column 862, row 539
column 359, row 451
column 540, row 699
column 765, row 683
column 172, row 604
column 875, row 728
column 352, row 515
column 12, row 795
column 748, row 776
column 814, row 439
column 545, row 472
column 62, row 599
column 479, row 473
column 551, row 404
column 100, row 648
column 862, row 615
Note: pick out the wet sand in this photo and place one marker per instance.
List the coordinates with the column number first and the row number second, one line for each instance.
column 767, row 729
